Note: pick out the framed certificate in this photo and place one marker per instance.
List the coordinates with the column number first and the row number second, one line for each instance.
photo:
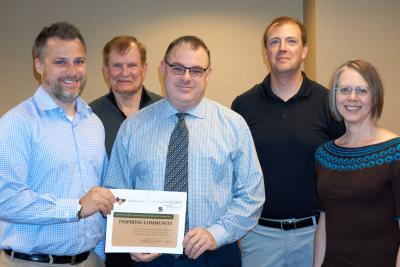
column 146, row 222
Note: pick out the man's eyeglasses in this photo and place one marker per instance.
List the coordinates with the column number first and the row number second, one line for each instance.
column 360, row 91
column 178, row 69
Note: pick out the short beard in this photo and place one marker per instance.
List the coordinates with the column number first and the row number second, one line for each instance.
column 60, row 94
column 67, row 98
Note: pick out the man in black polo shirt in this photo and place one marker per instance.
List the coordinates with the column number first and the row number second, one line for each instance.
column 124, row 69
column 288, row 116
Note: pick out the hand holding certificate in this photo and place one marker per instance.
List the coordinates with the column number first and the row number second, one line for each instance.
column 146, row 222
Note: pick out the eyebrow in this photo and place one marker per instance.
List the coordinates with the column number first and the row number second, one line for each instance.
column 180, row 64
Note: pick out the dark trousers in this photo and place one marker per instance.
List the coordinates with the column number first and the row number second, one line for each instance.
column 225, row 256
column 118, row 260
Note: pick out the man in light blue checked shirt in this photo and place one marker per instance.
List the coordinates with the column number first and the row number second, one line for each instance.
column 52, row 157
column 225, row 182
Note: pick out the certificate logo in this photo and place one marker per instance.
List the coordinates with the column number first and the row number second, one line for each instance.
column 120, row 201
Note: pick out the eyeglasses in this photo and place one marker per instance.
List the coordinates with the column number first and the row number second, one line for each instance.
column 360, row 91
column 178, row 69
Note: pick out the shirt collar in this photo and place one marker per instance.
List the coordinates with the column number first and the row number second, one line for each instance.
column 113, row 101
column 304, row 90
column 45, row 102
column 144, row 99
column 198, row 111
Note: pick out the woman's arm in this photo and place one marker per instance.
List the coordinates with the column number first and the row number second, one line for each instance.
column 320, row 242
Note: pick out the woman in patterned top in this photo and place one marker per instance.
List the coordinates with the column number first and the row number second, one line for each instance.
column 358, row 182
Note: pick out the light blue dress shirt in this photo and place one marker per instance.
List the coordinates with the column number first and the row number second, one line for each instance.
column 226, row 189
column 47, row 163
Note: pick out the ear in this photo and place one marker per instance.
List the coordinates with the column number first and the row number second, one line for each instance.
column 305, row 51
column 163, row 65
column 38, row 66
column 209, row 72
column 104, row 69
column 144, row 70
column 265, row 51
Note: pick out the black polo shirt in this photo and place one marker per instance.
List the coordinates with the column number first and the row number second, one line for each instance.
column 286, row 135
column 106, row 108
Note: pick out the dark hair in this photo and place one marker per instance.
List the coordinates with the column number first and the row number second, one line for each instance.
column 62, row 30
column 194, row 41
column 122, row 45
column 370, row 75
column 286, row 20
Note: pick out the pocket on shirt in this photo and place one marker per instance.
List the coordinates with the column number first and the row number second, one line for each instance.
column 149, row 173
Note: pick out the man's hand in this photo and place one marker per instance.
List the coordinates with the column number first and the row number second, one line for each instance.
column 97, row 199
column 144, row 257
column 198, row 240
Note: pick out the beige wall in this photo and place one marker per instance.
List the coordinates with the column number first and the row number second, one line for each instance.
column 310, row 22
column 231, row 28
column 367, row 29
column 338, row 30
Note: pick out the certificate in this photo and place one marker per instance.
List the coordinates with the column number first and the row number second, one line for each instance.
column 146, row 221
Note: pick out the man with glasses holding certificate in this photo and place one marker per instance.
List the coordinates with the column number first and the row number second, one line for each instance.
column 186, row 142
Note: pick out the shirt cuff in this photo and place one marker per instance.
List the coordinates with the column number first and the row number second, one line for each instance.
column 69, row 209
column 219, row 233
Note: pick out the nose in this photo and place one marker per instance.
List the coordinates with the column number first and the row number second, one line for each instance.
column 186, row 75
column 282, row 45
column 71, row 69
column 125, row 70
column 353, row 95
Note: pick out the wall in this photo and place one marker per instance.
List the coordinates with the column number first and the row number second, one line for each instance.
column 310, row 22
column 367, row 29
column 338, row 30
column 231, row 28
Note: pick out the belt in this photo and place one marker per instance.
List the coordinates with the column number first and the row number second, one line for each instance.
column 289, row 224
column 49, row 258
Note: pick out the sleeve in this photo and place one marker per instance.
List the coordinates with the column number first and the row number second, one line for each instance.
column 320, row 205
column 248, row 192
column 100, row 247
column 396, row 184
column 118, row 172
column 18, row 202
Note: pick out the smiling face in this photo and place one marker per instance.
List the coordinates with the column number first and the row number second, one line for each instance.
column 125, row 73
column 185, row 91
column 353, row 107
column 284, row 49
column 62, row 69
